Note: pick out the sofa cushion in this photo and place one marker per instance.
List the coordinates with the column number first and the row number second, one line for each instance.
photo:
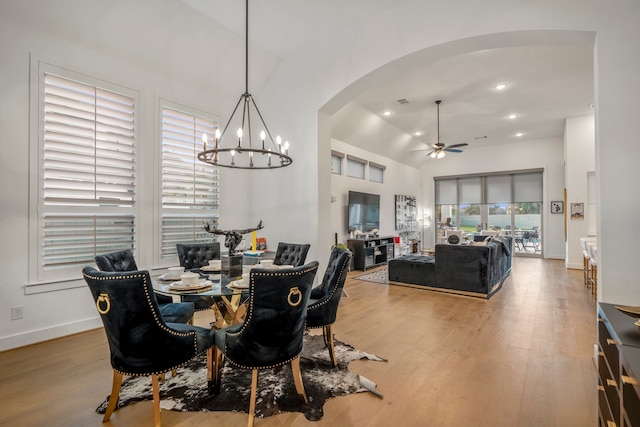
column 414, row 269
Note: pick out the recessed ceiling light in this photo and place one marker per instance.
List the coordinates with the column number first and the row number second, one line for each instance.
column 519, row 134
column 418, row 133
column 387, row 113
column 512, row 116
column 501, row 86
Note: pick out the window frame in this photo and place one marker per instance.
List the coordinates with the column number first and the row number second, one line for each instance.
column 39, row 279
column 162, row 212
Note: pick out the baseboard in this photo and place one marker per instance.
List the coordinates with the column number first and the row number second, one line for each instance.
column 33, row 337
column 575, row 266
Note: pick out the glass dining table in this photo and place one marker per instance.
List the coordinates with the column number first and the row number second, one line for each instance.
column 218, row 286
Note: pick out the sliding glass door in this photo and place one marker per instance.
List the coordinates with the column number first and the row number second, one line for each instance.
column 508, row 203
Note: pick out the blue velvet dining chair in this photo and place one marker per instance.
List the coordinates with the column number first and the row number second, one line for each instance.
column 122, row 261
column 325, row 298
column 141, row 343
column 273, row 330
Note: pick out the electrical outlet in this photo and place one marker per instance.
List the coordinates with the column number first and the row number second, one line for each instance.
column 16, row 312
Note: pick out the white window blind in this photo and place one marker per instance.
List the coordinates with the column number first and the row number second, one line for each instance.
column 87, row 174
column 355, row 167
column 189, row 187
column 376, row 172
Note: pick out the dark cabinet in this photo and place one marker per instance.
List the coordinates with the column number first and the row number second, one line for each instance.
column 369, row 253
column 618, row 366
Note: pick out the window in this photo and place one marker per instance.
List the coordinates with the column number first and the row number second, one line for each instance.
column 355, row 167
column 336, row 162
column 376, row 172
column 86, row 187
column 189, row 186
column 509, row 202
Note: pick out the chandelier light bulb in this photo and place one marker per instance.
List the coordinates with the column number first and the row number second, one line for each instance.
column 217, row 134
column 239, row 133
column 278, row 140
column 263, row 135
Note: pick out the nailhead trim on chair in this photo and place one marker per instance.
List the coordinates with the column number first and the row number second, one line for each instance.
column 249, row 315
column 156, row 318
column 345, row 269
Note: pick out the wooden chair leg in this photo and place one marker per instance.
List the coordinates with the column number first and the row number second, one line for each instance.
column 216, row 375
column 252, row 402
column 156, row 400
column 113, row 398
column 297, row 378
column 329, row 342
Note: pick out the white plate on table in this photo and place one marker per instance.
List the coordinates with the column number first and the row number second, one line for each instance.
column 238, row 284
column 168, row 278
column 179, row 286
column 210, row 269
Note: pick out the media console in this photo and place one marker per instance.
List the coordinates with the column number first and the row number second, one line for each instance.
column 371, row 252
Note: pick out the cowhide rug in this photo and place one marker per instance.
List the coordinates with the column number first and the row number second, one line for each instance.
column 276, row 391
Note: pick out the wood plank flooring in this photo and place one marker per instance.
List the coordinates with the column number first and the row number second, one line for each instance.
column 522, row 358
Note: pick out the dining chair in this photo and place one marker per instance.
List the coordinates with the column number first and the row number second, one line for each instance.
column 196, row 255
column 291, row 254
column 123, row 261
column 141, row 343
column 273, row 330
column 325, row 298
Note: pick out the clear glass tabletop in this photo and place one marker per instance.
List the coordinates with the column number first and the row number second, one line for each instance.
column 210, row 284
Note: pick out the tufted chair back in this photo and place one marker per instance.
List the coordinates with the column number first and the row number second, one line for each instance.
column 117, row 261
column 325, row 298
column 140, row 342
column 291, row 254
column 273, row 330
column 275, row 321
column 123, row 261
column 196, row 255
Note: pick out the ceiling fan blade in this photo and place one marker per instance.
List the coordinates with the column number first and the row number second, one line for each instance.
column 464, row 144
column 453, row 150
column 430, row 152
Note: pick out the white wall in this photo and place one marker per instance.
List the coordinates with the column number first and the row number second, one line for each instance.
column 118, row 47
column 579, row 140
column 341, row 66
column 398, row 179
column 546, row 154
column 299, row 98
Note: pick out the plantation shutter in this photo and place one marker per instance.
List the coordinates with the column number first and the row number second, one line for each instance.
column 88, row 173
column 189, row 187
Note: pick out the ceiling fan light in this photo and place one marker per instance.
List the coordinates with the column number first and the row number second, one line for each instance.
column 433, row 155
column 440, row 154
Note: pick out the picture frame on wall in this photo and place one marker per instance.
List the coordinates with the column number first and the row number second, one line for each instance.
column 577, row 210
column 557, row 207
column 406, row 212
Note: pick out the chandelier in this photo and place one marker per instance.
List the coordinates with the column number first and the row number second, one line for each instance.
column 246, row 150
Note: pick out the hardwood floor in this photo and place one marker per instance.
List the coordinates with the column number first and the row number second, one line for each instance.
column 522, row 358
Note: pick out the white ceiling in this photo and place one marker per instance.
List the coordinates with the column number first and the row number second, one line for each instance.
column 546, row 84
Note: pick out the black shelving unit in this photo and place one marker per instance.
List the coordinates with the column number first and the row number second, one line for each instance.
column 371, row 252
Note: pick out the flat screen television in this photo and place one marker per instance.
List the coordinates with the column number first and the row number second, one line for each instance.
column 364, row 211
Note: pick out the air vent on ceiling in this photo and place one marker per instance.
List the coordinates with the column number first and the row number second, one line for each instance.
column 403, row 101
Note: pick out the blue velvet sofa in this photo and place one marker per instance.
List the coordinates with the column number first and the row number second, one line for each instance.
column 474, row 269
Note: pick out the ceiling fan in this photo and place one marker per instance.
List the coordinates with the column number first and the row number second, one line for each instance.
column 439, row 149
